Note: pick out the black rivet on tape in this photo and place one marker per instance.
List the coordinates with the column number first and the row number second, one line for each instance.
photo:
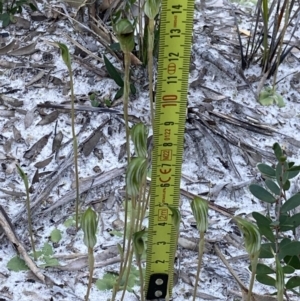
column 158, row 285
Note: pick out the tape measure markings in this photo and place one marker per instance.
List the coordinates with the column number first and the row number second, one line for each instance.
column 171, row 94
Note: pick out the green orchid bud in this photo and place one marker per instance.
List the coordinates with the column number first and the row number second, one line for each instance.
column 65, row 54
column 175, row 216
column 200, row 212
column 139, row 134
column 136, row 171
column 151, row 8
column 89, row 227
column 251, row 234
column 125, row 33
column 138, row 243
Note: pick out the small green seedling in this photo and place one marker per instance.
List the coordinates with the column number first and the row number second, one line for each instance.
column 268, row 97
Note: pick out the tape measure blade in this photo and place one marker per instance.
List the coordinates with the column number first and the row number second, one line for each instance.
column 176, row 24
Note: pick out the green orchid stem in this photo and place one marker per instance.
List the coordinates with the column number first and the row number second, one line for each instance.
column 141, row 279
column 253, row 268
column 125, row 103
column 91, row 260
column 129, row 255
column 200, row 252
column 126, row 100
column 150, row 66
column 30, row 224
column 25, row 180
column 75, row 146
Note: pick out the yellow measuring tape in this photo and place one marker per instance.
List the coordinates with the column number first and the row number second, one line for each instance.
column 175, row 40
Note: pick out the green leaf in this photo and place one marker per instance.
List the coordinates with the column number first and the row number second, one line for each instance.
column 70, row 222
column 47, row 249
column 292, row 174
column 290, row 249
column 116, row 233
column 266, row 250
column 287, row 269
column 273, row 187
column 294, row 220
column 261, row 193
column 119, row 93
column 49, row 262
column 293, row 282
column 277, row 151
column 266, row 170
column 268, row 96
column 286, row 186
column 262, row 269
column 55, row 235
column 264, row 226
column 113, row 73
column 132, row 89
column 281, row 173
column 5, row 19
column 293, row 261
column 32, row 7
column 291, row 203
column 265, row 279
column 107, row 282
column 284, row 224
column 17, row 264
column 115, row 46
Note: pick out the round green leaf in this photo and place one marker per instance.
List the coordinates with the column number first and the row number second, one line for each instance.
column 55, row 236
column 17, row 264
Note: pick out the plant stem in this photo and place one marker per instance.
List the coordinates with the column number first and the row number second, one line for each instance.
column 125, row 104
column 129, row 254
column 126, row 100
column 200, row 252
column 75, row 146
column 141, row 280
column 91, row 271
column 253, row 266
column 25, row 180
column 30, row 223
